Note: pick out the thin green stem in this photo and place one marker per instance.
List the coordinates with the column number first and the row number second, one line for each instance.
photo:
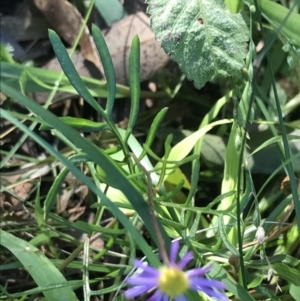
column 160, row 239
column 290, row 168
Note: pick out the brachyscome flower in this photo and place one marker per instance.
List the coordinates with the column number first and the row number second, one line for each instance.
column 170, row 282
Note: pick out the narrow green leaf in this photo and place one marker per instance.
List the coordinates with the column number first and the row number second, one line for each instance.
column 40, row 81
column 153, row 129
column 275, row 213
column 288, row 273
column 286, row 147
column 108, row 67
column 237, row 290
column 275, row 13
column 98, row 229
column 151, row 153
column 132, row 194
column 213, row 112
column 274, row 140
column 100, row 158
column 229, row 182
column 74, row 284
column 5, row 55
column 38, row 212
column 266, row 292
column 85, row 270
column 224, row 237
column 71, row 73
column 194, row 180
column 295, row 291
column 134, row 79
column 38, row 266
column 168, row 146
column 58, row 181
column 255, row 282
column 182, row 149
column 234, row 6
column 219, row 198
column 23, row 82
column 10, row 74
column 79, row 124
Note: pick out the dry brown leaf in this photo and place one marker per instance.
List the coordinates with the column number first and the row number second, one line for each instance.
column 64, row 200
column 15, row 206
column 96, row 242
column 21, row 190
column 119, row 38
column 75, row 213
column 66, row 20
column 286, row 185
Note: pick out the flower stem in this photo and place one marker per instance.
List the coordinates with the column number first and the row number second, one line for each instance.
column 160, row 239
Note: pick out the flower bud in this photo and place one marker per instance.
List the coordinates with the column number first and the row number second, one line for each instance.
column 260, row 235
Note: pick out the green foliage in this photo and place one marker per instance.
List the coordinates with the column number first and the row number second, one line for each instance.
column 203, row 37
column 5, row 55
column 40, row 81
column 126, row 174
column 45, row 274
column 281, row 18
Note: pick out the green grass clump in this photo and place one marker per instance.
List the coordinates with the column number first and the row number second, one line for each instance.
column 210, row 182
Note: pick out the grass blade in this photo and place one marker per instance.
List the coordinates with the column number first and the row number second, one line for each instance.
column 38, row 266
column 108, row 67
column 134, row 79
column 100, row 158
column 71, row 73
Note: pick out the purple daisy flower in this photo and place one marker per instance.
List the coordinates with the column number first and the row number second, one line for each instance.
column 171, row 282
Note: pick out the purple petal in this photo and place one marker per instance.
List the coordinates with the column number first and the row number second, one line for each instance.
column 146, row 281
column 180, row 298
column 207, row 286
column 199, row 271
column 174, row 251
column 165, row 298
column 146, row 268
column 203, row 283
column 185, row 260
column 157, row 296
column 218, row 295
column 135, row 291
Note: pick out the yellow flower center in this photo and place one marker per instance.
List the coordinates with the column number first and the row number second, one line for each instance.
column 172, row 281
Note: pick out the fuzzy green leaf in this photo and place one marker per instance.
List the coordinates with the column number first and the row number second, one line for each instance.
column 202, row 36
